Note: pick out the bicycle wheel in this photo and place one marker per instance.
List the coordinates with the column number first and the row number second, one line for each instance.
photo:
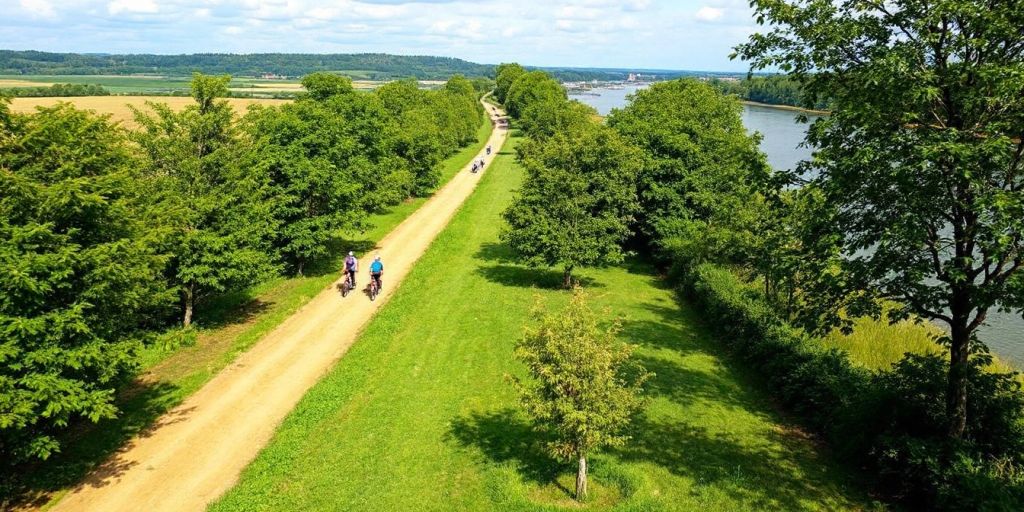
column 346, row 287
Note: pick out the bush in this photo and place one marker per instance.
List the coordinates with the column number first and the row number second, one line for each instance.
column 886, row 422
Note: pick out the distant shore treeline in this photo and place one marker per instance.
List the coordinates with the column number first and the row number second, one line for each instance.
column 772, row 90
column 365, row 66
column 369, row 66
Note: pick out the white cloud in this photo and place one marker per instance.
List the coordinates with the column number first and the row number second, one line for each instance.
column 692, row 34
column 38, row 8
column 132, row 6
column 707, row 13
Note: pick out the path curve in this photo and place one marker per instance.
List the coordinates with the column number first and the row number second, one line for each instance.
column 196, row 451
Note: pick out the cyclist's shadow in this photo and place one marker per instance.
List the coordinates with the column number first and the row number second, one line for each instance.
column 340, row 288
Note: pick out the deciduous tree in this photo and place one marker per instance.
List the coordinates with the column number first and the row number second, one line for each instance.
column 216, row 212
column 577, row 203
column 584, row 388
column 506, row 74
column 78, row 279
column 699, row 187
column 920, row 162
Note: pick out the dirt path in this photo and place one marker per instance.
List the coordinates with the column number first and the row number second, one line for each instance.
column 196, row 451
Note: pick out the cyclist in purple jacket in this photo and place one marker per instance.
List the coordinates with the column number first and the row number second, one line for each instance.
column 351, row 266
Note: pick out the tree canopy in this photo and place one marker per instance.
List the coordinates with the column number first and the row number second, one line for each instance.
column 79, row 279
column 584, row 388
column 699, row 186
column 919, row 163
column 577, row 203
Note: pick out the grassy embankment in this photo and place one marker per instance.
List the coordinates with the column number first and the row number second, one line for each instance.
column 227, row 328
column 419, row 414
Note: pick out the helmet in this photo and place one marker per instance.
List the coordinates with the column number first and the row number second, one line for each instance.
column 350, row 253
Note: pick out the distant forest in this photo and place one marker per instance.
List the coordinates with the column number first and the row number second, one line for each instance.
column 367, row 66
column 370, row 66
column 771, row 89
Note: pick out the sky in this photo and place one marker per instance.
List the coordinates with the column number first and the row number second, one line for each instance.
column 651, row 34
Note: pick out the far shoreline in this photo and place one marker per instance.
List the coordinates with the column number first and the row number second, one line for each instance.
column 787, row 107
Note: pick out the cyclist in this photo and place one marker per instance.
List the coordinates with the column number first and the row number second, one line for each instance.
column 351, row 266
column 488, row 149
column 377, row 270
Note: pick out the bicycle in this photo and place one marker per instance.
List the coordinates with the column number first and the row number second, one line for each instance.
column 347, row 286
column 374, row 289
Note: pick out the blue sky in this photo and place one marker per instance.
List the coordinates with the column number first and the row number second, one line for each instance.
column 668, row 34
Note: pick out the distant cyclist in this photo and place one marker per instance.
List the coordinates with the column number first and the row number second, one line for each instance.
column 488, row 149
column 351, row 266
column 376, row 271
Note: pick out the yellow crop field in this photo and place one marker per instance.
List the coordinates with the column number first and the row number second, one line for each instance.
column 117, row 106
column 7, row 82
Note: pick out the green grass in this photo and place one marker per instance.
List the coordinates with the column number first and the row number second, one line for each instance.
column 419, row 414
column 878, row 344
column 227, row 327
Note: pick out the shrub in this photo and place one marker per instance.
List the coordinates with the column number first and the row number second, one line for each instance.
column 886, row 422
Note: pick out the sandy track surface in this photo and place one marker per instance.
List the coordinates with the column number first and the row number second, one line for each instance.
column 195, row 452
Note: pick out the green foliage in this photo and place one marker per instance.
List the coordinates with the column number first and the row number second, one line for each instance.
column 56, row 90
column 919, row 162
column 432, row 124
column 771, row 89
column 321, row 86
column 700, row 185
column 78, row 278
column 101, row 236
column 891, row 422
column 585, row 389
column 370, row 66
column 300, row 148
column 707, row 440
column 532, row 88
column 577, row 204
column 547, row 117
column 506, row 75
column 215, row 214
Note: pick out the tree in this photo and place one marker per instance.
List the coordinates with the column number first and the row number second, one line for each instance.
column 506, row 74
column 699, row 187
column 321, row 86
column 553, row 115
column 400, row 96
column 577, row 202
column 79, row 280
column 216, row 212
column 315, row 193
column 920, row 161
column 530, row 88
column 584, row 388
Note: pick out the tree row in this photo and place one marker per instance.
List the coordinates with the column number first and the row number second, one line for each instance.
column 108, row 237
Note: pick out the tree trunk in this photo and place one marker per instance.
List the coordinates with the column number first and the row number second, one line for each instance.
column 567, row 278
column 581, row 480
column 189, row 303
column 956, row 393
column 301, row 264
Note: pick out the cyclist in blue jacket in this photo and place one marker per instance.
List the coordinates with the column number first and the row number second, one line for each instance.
column 376, row 271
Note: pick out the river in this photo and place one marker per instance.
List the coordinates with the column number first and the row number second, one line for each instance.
column 782, row 135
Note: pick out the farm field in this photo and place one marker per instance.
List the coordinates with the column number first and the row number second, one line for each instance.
column 117, row 106
column 227, row 328
column 420, row 415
